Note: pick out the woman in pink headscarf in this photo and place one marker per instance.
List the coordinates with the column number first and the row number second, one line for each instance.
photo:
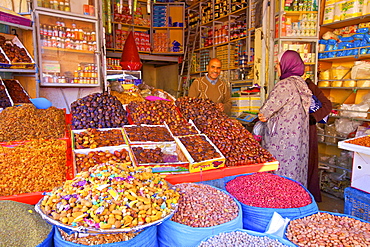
column 286, row 112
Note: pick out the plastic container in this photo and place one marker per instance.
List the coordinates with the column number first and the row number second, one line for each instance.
column 357, row 203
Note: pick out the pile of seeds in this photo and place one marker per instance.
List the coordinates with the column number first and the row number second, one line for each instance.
column 111, row 197
column 35, row 166
column 21, row 226
column 202, row 205
column 25, row 122
column 324, row 229
column 267, row 190
column 98, row 238
column 240, row 239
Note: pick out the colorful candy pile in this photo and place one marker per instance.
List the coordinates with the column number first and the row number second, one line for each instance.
column 111, row 197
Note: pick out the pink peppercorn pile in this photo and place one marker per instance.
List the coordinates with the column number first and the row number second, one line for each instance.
column 267, row 190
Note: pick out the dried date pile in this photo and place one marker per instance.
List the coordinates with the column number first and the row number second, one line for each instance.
column 25, row 122
column 94, row 138
column 234, row 141
column 110, row 196
column 152, row 155
column 199, row 148
column 35, row 166
column 324, row 229
column 362, row 141
column 97, row 239
column 85, row 161
column 154, row 112
column 148, row 134
column 267, row 190
column 16, row 92
column 4, row 97
column 183, row 129
column 98, row 110
column 202, row 205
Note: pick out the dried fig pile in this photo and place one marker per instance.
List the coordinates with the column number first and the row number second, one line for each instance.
column 234, row 141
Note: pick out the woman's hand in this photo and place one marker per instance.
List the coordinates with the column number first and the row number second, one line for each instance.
column 262, row 118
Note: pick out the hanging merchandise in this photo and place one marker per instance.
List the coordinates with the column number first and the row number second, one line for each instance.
column 130, row 59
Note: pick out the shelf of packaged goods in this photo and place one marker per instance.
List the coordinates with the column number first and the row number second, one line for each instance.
column 18, row 70
column 348, row 22
column 65, row 13
column 68, row 85
column 245, row 83
column 225, row 17
column 130, row 25
column 304, row 39
column 169, row 28
column 167, row 53
column 66, row 50
column 221, row 44
column 345, row 58
column 346, row 88
column 16, row 25
column 351, row 118
column 221, row 173
column 120, row 51
column 297, row 12
column 335, row 166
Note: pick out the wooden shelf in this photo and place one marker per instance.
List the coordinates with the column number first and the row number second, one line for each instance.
column 224, row 18
column 67, row 50
column 224, row 43
column 131, row 25
column 68, row 85
column 348, row 22
column 170, row 28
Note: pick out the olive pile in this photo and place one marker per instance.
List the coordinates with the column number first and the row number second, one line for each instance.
column 98, row 110
column 234, row 141
column 4, row 97
column 199, row 148
column 154, row 112
column 148, row 134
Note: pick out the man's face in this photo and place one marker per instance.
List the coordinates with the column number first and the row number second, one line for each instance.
column 214, row 69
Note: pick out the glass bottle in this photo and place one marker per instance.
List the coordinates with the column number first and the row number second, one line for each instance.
column 61, row 5
column 50, row 31
column 67, row 6
column 56, row 4
column 93, row 36
column 46, row 4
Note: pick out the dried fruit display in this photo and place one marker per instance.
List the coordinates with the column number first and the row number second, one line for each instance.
column 267, row 190
column 199, row 148
column 35, row 166
column 202, row 205
column 110, row 198
column 152, row 155
column 231, row 138
column 3, row 58
column 17, row 92
column 25, row 122
column 84, row 161
column 154, row 112
column 141, row 133
column 4, row 97
column 127, row 97
column 362, row 141
column 183, row 129
column 98, row 110
column 94, row 138
column 15, row 53
column 325, row 229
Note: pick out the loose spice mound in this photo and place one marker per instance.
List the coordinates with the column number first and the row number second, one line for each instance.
column 267, row 190
column 25, row 122
column 98, row 238
column 202, row 205
column 21, row 225
column 35, row 166
column 111, row 197
column 362, row 141
column 324, row 229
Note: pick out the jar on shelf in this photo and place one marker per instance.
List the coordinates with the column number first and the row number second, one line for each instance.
column 93, row 36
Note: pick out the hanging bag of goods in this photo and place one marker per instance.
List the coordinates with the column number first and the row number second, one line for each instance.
column 202, row 210
column 262, row 194
column 147, row 238
column 242, row 238
column 328, row 229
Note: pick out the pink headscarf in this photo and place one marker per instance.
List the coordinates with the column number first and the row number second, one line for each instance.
column 290, row 64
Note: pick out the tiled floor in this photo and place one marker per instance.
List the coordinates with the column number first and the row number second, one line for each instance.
column 331, row 203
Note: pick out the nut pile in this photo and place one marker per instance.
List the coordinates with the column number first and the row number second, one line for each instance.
column 267, row 190
column 152, row 155
column 199, row 148
column 4, row 97
column 183, row 129
column 240, row 239
column 25, row 122
column 98, row 110
column 148, row 134
column 16, row 92
column 94, row 138
column 234, row 141
column 21, row 225
column 98, row 238
column 202, row 205
column 35, row 166
column 362, row 141
column 85, row 161
column 127, row 97
column 154, row 112
column 324, row 229
column 111, row 197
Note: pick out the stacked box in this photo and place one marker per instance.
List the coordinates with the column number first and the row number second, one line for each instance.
column 240, row 104
column 357, row 203
column 159, row 16
column 204, row 59
column 161, row 42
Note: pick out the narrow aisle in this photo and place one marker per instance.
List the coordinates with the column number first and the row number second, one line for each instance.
column 331, row 203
